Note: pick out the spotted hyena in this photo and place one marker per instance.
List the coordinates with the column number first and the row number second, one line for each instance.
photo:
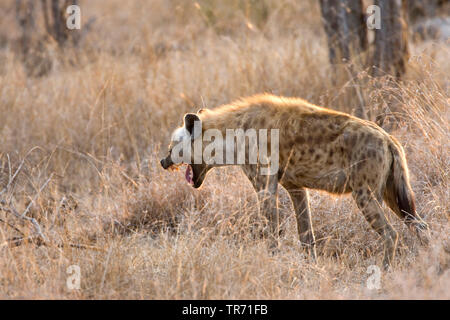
column 319, row 149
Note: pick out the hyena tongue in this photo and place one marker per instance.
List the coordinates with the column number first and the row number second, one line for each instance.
column 189, row 175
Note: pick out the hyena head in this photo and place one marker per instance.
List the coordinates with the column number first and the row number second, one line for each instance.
column 184, row 141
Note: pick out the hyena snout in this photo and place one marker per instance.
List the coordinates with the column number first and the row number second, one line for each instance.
column 166, row 163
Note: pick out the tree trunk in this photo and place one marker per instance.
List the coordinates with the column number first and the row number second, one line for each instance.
column 54, row 13
column 26, row 20
column 419, row 9
column 345, row 28
column 346, row 31
column 391, row 40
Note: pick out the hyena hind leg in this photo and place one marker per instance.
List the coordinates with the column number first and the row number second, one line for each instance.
column 373, row 212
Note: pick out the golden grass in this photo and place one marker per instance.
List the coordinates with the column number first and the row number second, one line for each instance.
column 104, row 114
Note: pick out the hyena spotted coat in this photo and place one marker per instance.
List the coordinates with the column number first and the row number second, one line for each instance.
column 318, row 149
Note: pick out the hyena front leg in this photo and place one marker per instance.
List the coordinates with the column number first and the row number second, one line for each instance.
column 299, row 197
column 373, row 212
column 266, row 187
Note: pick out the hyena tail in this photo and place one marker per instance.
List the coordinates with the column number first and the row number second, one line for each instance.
column 398, row 193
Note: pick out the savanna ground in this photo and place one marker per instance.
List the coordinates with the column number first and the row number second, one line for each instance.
column 101, row 118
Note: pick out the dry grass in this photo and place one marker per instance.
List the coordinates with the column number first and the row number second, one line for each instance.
column 102, row 118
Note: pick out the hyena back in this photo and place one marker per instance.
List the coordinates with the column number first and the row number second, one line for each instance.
column 318, row 149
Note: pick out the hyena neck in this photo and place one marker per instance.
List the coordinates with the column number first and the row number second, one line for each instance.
column 213, row 121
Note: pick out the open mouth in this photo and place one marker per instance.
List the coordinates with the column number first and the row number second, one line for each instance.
column 189, row 174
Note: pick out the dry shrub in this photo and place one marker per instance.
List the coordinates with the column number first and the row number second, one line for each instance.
column 160, row 204
column 168, row 204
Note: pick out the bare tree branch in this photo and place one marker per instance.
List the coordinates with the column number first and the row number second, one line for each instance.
column 12, row 178
column 7, row 206
column 38, row 237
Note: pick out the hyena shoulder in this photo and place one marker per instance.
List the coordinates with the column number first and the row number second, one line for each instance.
column 269, row 111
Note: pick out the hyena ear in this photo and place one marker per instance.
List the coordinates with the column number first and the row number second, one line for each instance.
column 189, row 123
